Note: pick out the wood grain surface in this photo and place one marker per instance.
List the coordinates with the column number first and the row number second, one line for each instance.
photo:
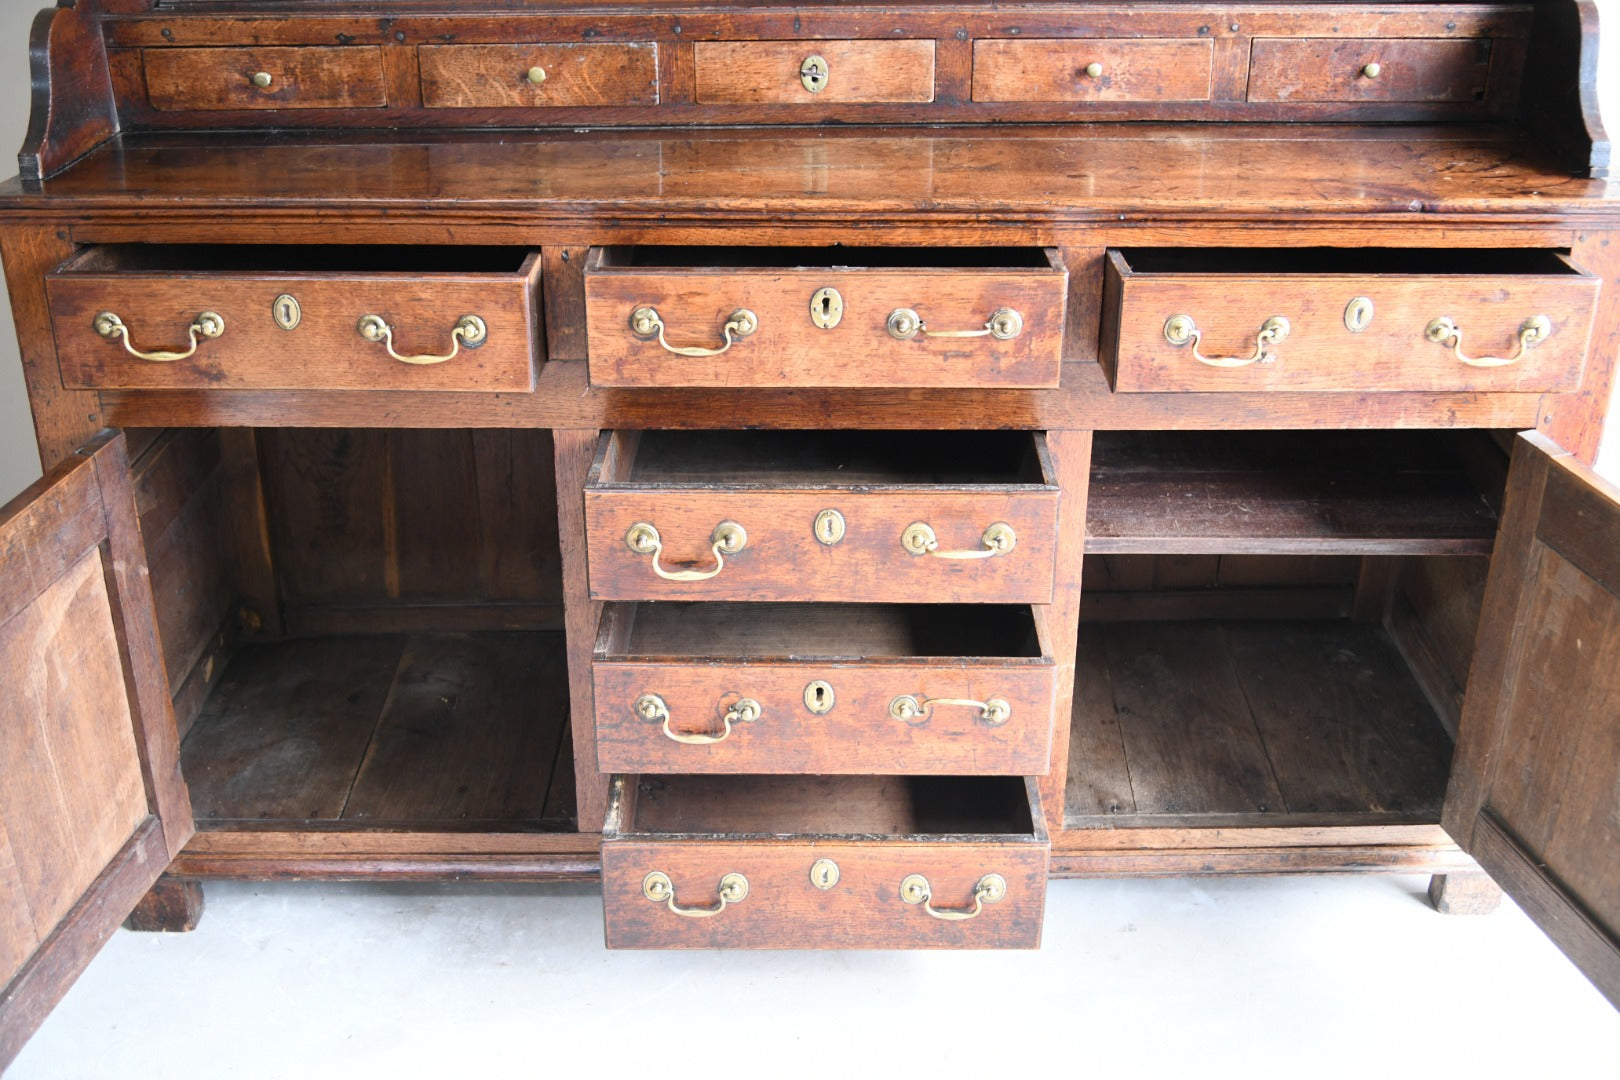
column 1336, row 70
column 223, row 79
column 768, row 72
column 325, row 350
column 484, row 76
column 868, row 655
column 788, row 349
column 1057, row 70
column 1321, row 353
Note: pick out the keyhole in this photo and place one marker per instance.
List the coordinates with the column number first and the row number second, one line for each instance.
column 821, row 696
column 826, row 306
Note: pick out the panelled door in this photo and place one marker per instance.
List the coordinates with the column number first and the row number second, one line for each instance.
column 92, row 807
column 1535, row 788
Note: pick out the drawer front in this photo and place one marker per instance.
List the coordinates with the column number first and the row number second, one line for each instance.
column 538, row 76
column 813, row 72
column 1369, row 69
column 329, row 77
column 866, row 715
column 791, row 889
column 160, row 313
column 786, row 347
column 1092, row 69
column 783, row 560
column 1394, row 351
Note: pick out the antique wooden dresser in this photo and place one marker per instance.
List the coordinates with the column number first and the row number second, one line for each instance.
column 822, row 470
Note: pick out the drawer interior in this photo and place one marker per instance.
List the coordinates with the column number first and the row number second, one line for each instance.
column 288, row 258
column 1359, row 261
column 851, row 806
column 823, row 458
column 818, row 631
column 827, row 258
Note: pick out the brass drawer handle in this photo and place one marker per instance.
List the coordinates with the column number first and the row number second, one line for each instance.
column 1003, row 325
column 207, row 325
column 652, row 708
column 657, row 887
column 728, row 538
column 645, row 322
column 1180, row 330
column 916, row 712
column 469, row 330
column 989, row 890
column 998, row 539
column 1532, row 332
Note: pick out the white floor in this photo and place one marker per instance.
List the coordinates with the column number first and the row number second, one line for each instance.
column 1297, row 977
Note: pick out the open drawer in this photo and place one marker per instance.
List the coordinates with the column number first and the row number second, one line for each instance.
column 797, row 862
column 828, row 688
column 1364, row 321
column 799, row 317
column 874, row 516
column 138, row 316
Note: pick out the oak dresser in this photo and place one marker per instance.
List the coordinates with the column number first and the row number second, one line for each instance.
column 822, row 470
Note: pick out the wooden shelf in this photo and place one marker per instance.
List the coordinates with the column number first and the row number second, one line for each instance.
column 453, row 731
column 1238, row 724
column 1300, row 493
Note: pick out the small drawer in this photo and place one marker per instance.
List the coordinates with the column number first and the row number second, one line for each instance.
column 884, row 517
column 1369, row 69
column 1362, row 321
column 990, row 317
column 815, row 862
column 135, row 316
column 823, row 688
column 1092, row 69
column 327, row 77
column 813, row 72
column 538, row 76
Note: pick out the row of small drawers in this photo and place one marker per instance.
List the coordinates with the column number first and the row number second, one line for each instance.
column 138, row 317
column 802, row 754
column 1302, row 70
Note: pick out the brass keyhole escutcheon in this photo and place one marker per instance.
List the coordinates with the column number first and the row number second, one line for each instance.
column 1358, row 314
column 824, row 873
column 819, row 698
column 287, row 312
column 826, row 308
column 829, row 527
column 813, row 73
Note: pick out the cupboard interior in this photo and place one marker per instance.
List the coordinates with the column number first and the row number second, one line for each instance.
column 363, row 628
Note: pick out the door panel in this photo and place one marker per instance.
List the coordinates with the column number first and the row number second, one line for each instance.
column 92, row 808
column 1535, row 790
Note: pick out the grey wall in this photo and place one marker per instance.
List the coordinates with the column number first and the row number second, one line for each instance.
column 19, row 463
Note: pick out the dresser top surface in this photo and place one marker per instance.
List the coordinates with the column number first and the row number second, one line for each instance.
column 1048, row 173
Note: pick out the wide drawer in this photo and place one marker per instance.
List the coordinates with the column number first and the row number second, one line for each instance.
column 1369, row 69
column 795, row 862
column 1364, row 321
column 538, row 76
column 1092, row 69
column 881, row 517
column 324, row 77
column 823, row 688
column 272, row 318
column 762, row 317
column 813, row 72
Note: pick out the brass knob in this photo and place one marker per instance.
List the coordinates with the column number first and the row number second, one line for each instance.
column 262, row 80
column 1373, row 70
column 536, row 75
column 1094, row 70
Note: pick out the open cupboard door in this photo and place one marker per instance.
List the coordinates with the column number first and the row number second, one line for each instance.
column 1535, row 788
column 92, row 807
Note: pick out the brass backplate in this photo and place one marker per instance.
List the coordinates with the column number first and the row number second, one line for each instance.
column 819, row 698
column 287, row 312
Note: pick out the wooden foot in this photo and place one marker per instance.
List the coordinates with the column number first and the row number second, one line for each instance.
column 171, row 907
column 1471, row 892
